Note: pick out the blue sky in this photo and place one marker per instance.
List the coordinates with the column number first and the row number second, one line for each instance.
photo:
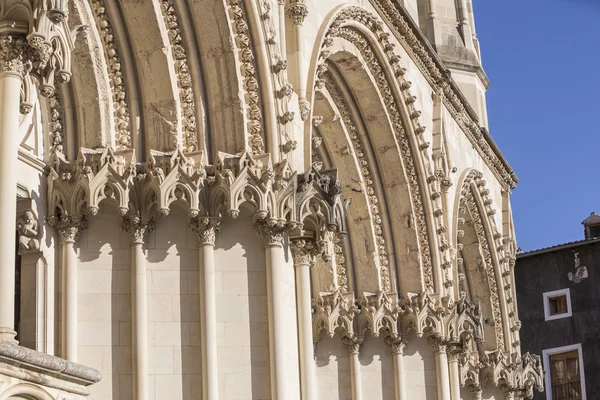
column 543, row 59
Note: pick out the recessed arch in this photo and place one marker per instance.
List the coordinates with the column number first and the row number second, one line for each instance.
column 25, row 391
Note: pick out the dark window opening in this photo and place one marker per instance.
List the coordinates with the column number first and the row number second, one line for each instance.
column 558, row 305
column 565, row 376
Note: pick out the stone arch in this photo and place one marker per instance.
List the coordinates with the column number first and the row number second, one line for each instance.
column 479, row 256
column 352, row 24
column 25, row 391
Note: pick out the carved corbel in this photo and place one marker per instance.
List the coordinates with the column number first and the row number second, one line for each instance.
column 137, row 227
column 205, row 228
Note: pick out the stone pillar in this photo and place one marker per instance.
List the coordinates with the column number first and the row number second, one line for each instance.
column 353, row 343
column 465, row 26
column 397, row 345
column 304, row 253
column 206, row 228
column 12, row 69
column 297, row 11
column 69, row 229
column 454, row 373
column 273, row 233
column 282, row 39
column 441, row 367
column 137, row 227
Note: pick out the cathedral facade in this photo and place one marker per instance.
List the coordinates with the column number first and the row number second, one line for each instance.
column 253, row 199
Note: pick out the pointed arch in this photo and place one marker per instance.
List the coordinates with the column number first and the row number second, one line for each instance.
column 480, row 257
column 352, row 24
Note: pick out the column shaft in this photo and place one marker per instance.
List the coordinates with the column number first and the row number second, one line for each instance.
column 70, row 309
column 208, row 321
column 307, row 365
column 454, row 378
column 140, row 321
column 443, row 379
column 355, row 371
column 400, row 376
column 10, row 89
column 277, row 332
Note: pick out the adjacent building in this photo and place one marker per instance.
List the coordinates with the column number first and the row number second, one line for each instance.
column 559, row 309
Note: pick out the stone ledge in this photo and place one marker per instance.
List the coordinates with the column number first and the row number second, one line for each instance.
column 31, row 360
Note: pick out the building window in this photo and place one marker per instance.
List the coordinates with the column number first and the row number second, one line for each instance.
column 565, row 379
column 557, row 304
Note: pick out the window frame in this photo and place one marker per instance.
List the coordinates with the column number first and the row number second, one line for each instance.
column 556, row 293
column 548, row 378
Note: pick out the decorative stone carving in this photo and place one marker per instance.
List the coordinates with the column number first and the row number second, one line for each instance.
column 116, row 74
column 249, row 74
column 27, row 226
column 205, row 228
column 137, row 227
column 353, row 343
column 297, row 11
column 69, row 227
column 304, row 109
column 305, row 251
column 14, row 55
column 271, row 231
column 184, row 79
column 580, row 271
column 396, row 343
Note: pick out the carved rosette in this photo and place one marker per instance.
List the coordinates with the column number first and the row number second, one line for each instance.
column 353, row 343
column 205, row 228
column 272, row 232
column 137, row 227
column 13, row 55
column 305, row 251
column 297, row 11
column 69, row 227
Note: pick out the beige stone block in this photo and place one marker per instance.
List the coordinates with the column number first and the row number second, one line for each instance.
column 237, row 333
column 186, row 308
column 91, row 356
column 160, row 307
column 170, row 387
column 125, row 333
column 231, row 308
column 121, row 307
column 125, row 387
column 165, row 282
column 94, row 333
column 160, row 360
column 235, row 282
column 195, row 338
column 238, row 387
column 93, row 307
column 231, row 360
column 172, row 333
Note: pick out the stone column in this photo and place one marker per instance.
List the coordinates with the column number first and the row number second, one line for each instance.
column 353, row 343
column 297, row 12
column 206, row 228
column 465, row 26
column 137, row 227
column 441, row 367
column 12, row 49
column 454, row 373
column 273, row 234
column 304, row 253
column 282, row 39
column 397, row 345
column 69, row 229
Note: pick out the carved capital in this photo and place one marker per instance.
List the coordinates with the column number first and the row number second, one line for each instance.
column 271, row 231
column 396, row 343
column 13, row 55
column 305, row 251
column 352, row 342
column 438, row 344
column 205, row 228
column 69, row 227
column 137, row 227
column 297, row 11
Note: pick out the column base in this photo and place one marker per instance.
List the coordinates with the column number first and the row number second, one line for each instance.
column 8, row 335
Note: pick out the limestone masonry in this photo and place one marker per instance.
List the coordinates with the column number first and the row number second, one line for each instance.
column 252, row 200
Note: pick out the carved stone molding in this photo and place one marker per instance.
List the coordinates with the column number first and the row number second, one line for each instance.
column 352, row 343
column 271, row 231
column 137, row 227
column 396, row 343
column 438, row 343
column 205, row 228
column 69, row 227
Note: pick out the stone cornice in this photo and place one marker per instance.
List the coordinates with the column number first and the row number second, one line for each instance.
column 438, row 75
column 45, row 364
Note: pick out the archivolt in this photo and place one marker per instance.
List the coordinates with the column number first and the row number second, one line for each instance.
column 475, row 204
column 357, row 25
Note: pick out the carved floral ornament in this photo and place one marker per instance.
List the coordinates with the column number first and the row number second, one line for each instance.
column 283, row 201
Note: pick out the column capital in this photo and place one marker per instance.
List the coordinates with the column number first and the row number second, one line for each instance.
column 305, row 251
column 396, row 343
column 353, row 343
column 438, row 343
column 13, row 55
column 205, row 228
column 271, row 231
column 454, row 351
column 137, row 227
column 69, row 227
column 297, row 11
column 476, row 392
